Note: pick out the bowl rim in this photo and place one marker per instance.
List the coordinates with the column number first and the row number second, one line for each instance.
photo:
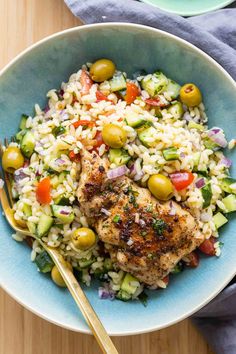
column 191, row 13
column 207, row 58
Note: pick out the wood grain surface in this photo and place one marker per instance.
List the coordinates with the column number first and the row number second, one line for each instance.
column 23, row 22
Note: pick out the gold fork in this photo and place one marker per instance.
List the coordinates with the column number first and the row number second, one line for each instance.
column 73, row 286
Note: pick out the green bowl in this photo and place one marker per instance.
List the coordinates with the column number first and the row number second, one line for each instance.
column 189, row 7
column 26, row 81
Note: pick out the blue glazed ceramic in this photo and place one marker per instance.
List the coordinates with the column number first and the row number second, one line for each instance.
column 45, row 65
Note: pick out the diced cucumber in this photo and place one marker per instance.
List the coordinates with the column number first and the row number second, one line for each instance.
column 123, row 295
column 173, row 89
column 209, row 144
column 127, row 284
column 54, row 181
column 196, row 160
column 193, row 125
column 58, row 131
column 226, row 183
column 230, row 203
column 118, row 82
column 219, row 220
column 134, row 120
column 118, row 156
column 24, row 118
column 176, row 110
column 44, row 262
column 62, row 176
column 207, row 195
column 85, row 263
column 19, row 135
column 32, row 227
column 178, row 268
column 170, row 154
column 27, row 210
column 27, row 144
column 62, row 200
column 107, row 264
column 44, row 225
column 145, row 135
column 155, row 83
column 64, row 213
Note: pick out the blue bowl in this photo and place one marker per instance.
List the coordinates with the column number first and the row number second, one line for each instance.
column 26, row 81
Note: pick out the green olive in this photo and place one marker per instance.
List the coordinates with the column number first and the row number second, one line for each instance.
column 56, row 276
column 190, row 95
column 102, row 69
column 12, row 159
column 114, row 136
column 83, row 238
column 160, row 186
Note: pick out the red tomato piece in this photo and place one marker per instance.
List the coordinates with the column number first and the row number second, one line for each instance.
column 132, row 91
column 86, row 82
column 181, row 180
column 43, row 190
column 207, row 247
column 74, row 157
column 156, row 102
column 193, row 260
column 98, row 140
column 166, row 279
column 101, row 97
column 87, row 123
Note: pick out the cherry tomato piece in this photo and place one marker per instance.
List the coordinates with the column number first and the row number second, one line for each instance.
column 132, row 91
column 181, row 180
column 207, row 247
column 43, row 194
column 192, row 260
column 99, row 140
column 74, row 157
column 101, row 97
column 86, row 82
column 156, row 102
column 87, row 123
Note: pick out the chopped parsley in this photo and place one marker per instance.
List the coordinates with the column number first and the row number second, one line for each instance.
column 149, row 208
column 159, row 226
column 116, row 218
column 143, row 298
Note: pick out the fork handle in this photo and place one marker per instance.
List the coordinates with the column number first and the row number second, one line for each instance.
column 81, row 300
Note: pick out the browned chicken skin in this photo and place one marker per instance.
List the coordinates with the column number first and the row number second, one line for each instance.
column 142, row 236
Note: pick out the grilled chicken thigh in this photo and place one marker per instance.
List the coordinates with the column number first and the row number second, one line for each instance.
column 144, row 237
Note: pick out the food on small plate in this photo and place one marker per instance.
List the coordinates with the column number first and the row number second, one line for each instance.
column 124, row 177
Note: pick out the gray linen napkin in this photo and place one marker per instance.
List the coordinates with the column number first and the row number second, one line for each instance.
column 215, row 33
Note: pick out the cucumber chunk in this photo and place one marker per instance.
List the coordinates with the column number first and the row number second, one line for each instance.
column 170, row 154
column 32, row 227
column 27, row 144
column 118, row 156
column 27, row 210
column 145, row 135
column 85, row 263
column 207, row 195
column 230, row 203
column 226, row 184
column 209, row 144
column 176, row 110
column 134, row 120
column 219, row 220
column 193, row 125
column 173, row 89
column 127, row 284
column 118, row 82
column 64, row 213
column 24, row 118
column 155, row 83
column 62, row 200
column 123, row 295
column 44, row 262
column 44, row 225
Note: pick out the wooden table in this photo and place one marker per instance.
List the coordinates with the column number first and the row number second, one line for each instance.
column 23, row 22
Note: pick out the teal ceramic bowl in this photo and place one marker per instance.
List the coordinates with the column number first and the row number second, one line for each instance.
column 45, row 65
column 189, row 7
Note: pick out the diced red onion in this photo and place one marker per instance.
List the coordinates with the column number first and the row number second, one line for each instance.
column 218, row 137
column 200, row 182
column 182, row 155
column 142, row 223
column 130, row 242
column 132, row 170
column 187, row 117
column 226, row 162
column 117, row 172
column 60, row 162
column 172, row 211
column 105, row 293
column 46, row 109
column 105, row 211
column 65, row 212
column 138, row 176
column 19, row 175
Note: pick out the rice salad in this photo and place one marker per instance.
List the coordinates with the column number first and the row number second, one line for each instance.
column 166, row 133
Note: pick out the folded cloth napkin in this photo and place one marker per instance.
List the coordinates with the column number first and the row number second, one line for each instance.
column 214, row 33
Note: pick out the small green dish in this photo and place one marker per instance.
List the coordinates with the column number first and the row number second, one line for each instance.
column 189, row 7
